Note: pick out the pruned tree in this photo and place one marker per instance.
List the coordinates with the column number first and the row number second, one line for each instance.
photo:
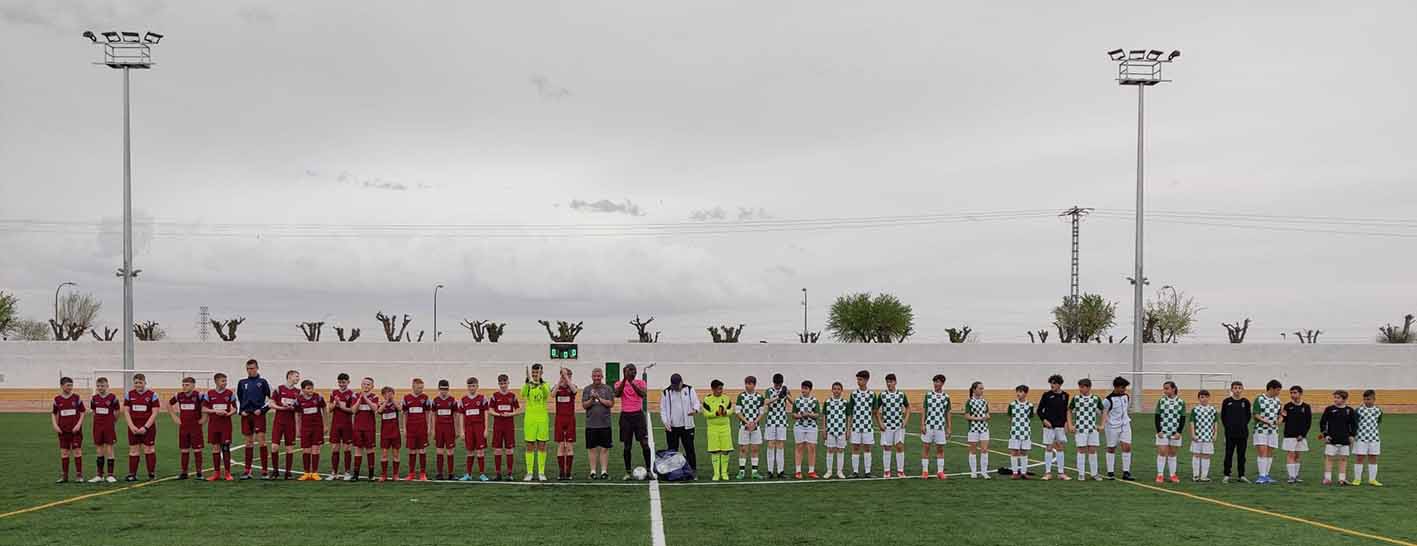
column 149, row 331
column 9, row 313
column 393, row 332
column 1390, row 333
column 477, row 328
column 67, row 331
column 353, row 333
column 108, row 333
column 860, row 318
column 1237, row 331
column 311, row 330
column 1171, row 315
column 226, row 329
column 420, row 336
column 495, row 331
column 642, row 332
column 725, row 333
column 565, row 331
column 1308, row 336
column 1084, row 319
column 959, row 335
column 809, row 337
column 1041, row 338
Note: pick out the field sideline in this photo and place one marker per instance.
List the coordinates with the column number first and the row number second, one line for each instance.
column 909, row 511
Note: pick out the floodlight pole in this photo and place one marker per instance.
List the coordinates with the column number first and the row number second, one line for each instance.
column 127, row 228
column 435, row 312
column 1138, row 313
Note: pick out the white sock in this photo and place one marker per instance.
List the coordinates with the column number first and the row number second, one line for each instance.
column 984, row 462
column 1195, row 466
column 939, row 464
column 856, row 463
column 1357, row 471
column 781, row 459
column 829, row 461
column 1060, row 455
column 840, row 461
column 1048, row 461
column 925, row 466
column 1127, row 462
column 1160, row 464
column 867, row 457
column 1171, row 465
column 797, row 466
column 1328, row 475
column 1291, row 469
column 973, row 465
column 1092, row 459
column 1111, row 462
column 886, row 461
column 1372, row 472
column 900, row 462
column 1082, row 464
column 754, row 460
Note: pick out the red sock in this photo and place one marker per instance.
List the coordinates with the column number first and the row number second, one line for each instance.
column 423, row 462
column 561, row 463
column 412, row 462
column 396, row 466
column 497, row 462
column 226, row 461
column 198, row 455
column 334, row 463
column 79, row 466
column 185, row 457
column 481, row 464
column 315, row 462
column 570, row 463
column 64, row 463
column 265, row 454
column 510, row 463
column 451, row 463
column 152, row 462
column 383, row 468
column 357, row 464
column 305, row 462
column 348, row 456
column 132, row 465
column 469, row 465
column 370, row 457
column 289, row 462
column 248, row 452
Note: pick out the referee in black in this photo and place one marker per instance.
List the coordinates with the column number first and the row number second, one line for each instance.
column 1235, row 415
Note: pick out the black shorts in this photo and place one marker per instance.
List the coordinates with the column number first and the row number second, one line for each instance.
column 598, row 437
column 632, row 427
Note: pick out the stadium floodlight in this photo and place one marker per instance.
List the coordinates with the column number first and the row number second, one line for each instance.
column 1153, row 55
column 152, row 37
column 111, row 36
column 1136, row 54
column 1117, row 54
column 1173, row 55
column 130, row 37
column 90, row 35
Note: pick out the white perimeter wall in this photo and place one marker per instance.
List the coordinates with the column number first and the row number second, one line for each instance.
column 39, row 364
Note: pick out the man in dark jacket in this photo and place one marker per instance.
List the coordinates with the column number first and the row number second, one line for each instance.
column 1235, row 415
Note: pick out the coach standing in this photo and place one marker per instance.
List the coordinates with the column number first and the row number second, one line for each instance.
column 1235, row 415
column 252, row 394
column 677, row 408
column 631, row 393
column 596, row 399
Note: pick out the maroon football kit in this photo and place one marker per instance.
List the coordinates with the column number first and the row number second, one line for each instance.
column 69, row 412
column 105, row 416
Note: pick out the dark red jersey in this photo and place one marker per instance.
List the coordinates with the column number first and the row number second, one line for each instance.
column 565, row 402
column 416, row 406
column 219, row 400
column 504, row 403
column 310, row 408
column 189, row 408
column 339, row 417
column 389, row 418
column 69, row 409
column 105, row 410
column 443, row 410
column 365, row 410
column 474, row 409
column 141, row 406
column 287, row 396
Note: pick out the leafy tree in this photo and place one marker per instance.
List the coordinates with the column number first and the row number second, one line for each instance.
column 859, row 318
column 1171, row 315
column 9, row 313
column 1085, row 319
column 30, row 330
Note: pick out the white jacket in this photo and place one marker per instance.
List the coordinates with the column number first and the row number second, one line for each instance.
column 677, row 409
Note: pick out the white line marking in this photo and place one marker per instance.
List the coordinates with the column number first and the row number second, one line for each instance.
column 656, row 509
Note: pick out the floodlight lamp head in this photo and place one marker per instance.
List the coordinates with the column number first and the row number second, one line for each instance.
column 111, row 36
column 1136, row 54
column 152, row 37
column 90, row 35
column 1153, row 55
column 130, row 37
column 1117, row 54
column 1174, row 55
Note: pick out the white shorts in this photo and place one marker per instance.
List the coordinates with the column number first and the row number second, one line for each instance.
column 892, row 437
column 1052, row 435
column 937, row 437
column 1368, row 448
column 978, row 436
column 1163, row 441
column 1116, row 435
column 863, row 437
column 1270, row 439
column 836, row 441
column 1021, row 445
column 1333, row 450
column 750, row 437
column 1086, row 438
column 805, row 435
column 775, row 433
column 1296, row 444
column 1202, row 448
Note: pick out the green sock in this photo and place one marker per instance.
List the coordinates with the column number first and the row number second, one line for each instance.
column 541, row 463
column 530, row 461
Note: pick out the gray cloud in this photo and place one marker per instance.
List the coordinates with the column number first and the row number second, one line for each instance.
column 717, row 214
column 72, row 16
column 256, row 15
column 605, row 205
column 374, row 183
column 547, row 89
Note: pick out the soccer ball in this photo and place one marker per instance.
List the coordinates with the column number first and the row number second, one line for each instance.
column 639, row 473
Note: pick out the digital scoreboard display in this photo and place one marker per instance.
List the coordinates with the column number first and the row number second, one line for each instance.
column 564, row 351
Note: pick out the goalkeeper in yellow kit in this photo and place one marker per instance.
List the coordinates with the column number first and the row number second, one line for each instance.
column 536, row 425
column 717, row 411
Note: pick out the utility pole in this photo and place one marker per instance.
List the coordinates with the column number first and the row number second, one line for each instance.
column 805, row 333
column 1076, row 213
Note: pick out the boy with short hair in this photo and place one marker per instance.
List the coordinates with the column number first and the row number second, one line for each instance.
column 253, row 394
column 1053, row 412
column 892, row 412
column 1267, row 418
column 218, row 405
column 807, row 411
column 311, row 407
column 1020, row 432
column 935, row 428
column 976, row 411
column 504, row 428
column 564, row 433
column 834, row 417
column 1337, row 428
column 473, row 409
column 537, row 423
column 1084, row 423
column 105, row 414
column 1119, row 428
column 445, row 431
column 140, row 407
column 186, row 410
column 1298, row 419
column 1203, row 429
column 717, row 409
column 1235, row 414
column 390, row 432
column 67, row 419
column 775, row 427
column 283, row 425
column 341, row 427
column 417, row 429
column 1368, row 442
column 366, row 408
column 1170, row 414
column 860, row 412
column 748, row 408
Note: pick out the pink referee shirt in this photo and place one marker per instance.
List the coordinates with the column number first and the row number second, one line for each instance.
column 631, row 401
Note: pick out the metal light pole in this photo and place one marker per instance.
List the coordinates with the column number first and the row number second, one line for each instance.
column 1140, row 68
column 126, row 51
column 56, row 297
column 435, row 312
column 805, row 335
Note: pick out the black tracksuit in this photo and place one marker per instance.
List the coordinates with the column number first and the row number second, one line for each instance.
column 1235, row 416
column 1298, row 418
column 1339, row 425
column 1053, row 408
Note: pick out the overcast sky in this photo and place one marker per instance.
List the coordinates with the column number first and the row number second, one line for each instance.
column 337, row 114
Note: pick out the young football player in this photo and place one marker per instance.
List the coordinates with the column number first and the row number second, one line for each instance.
column 935, row 428
column 1204, row 425
column 748, row 408
column 505, row 407
column 1235, row 414
column 1368, row 443
column 417, row 429
column 1119, row 428
column 775, row 426
column 834, row 416
column 806, row 410
column 445, row 429
column 219, row 404
column 105, row 407
column 1170, row 419
column 140, row 408
column 717, row 411
column 186, row 410
column 1053, row 412
column 283, row 425
column 1267, row 421
column 976, row 411
column 1298, row 419
column 473, row 411
column 253, row 394
column 565, row 425
column 1085, row 408
column 892, row 412
column 1337, row 428
column 390, row 433
column 861, row 420
column 536, row 424
column 341, row 427
column 1020, row 432
column 366, row 414
column 67, row 418
column 311, row 407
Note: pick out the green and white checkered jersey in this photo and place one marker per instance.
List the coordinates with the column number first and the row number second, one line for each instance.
column 861, row 405
column 1267, row 407
column 977, row 407
column 776, row 415
column 893, row 409
column 749, row 404
column 937, row 408
column 1086, row 409
column 1203, row 419
column 809, row 405
column 1368, row 421
column 1020, row 420
column 1171, row 409
column 836, row 415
